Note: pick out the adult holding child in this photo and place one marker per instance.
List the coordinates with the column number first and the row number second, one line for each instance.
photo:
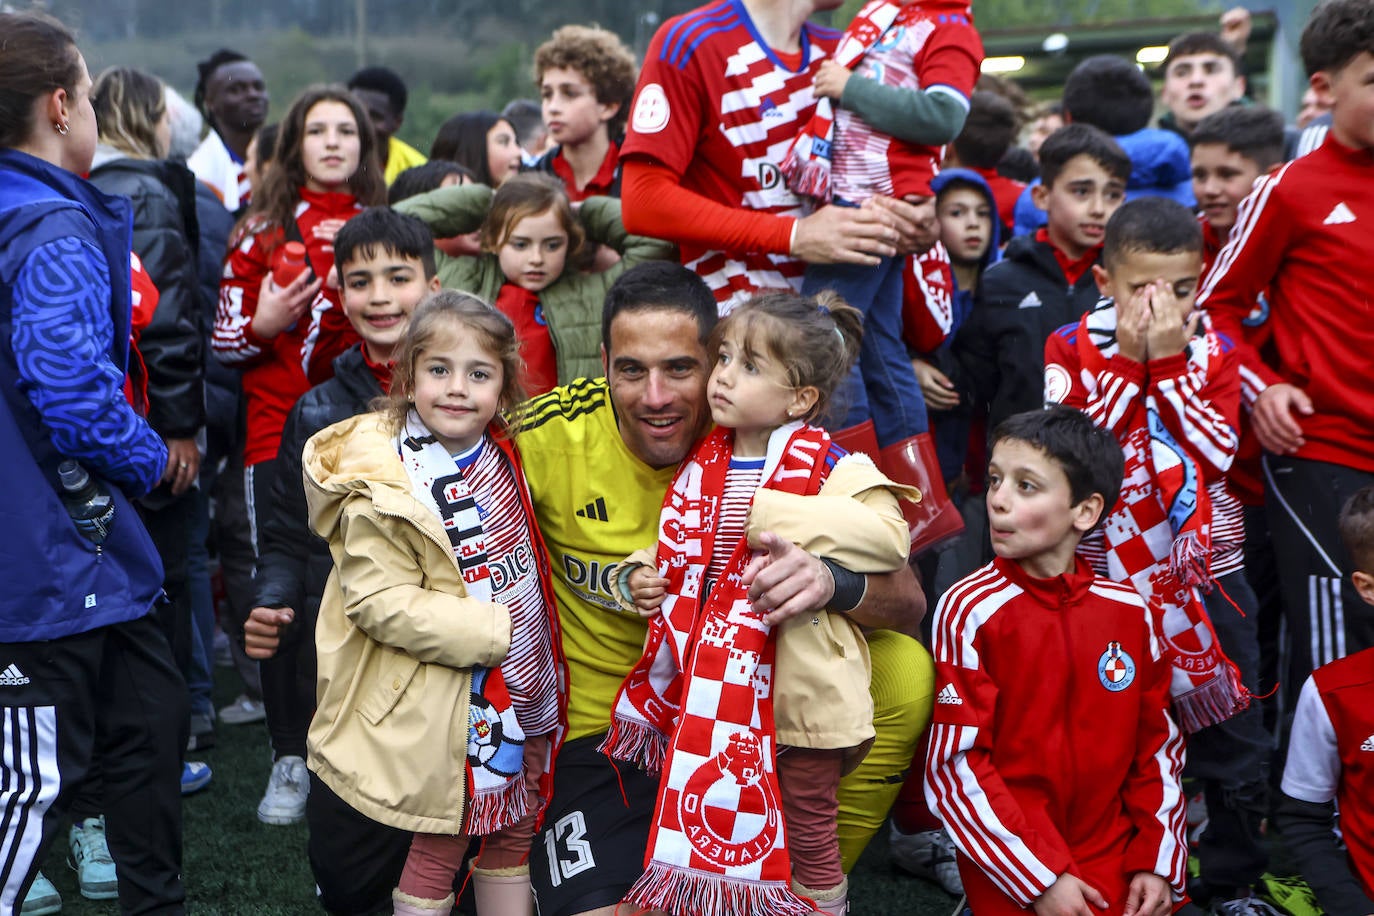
column 87, row 669
column 721, row 194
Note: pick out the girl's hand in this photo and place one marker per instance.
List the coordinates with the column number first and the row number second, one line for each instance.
column 280, row 307
column 935, row 386
column 648, row 589
column 831, row 79
column 1149, row 895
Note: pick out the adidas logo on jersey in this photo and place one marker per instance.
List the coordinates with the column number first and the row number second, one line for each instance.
column 1367, row 746
column 595, row 510
column 13, row 677
column 1339, row 214
column 1032, row 301
column 949, row 696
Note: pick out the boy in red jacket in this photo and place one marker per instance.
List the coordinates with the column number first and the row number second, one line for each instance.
column 1303, row 238
column 1330, row 756
column 1058, row 779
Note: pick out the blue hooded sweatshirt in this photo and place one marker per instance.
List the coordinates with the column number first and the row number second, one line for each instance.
column 963, row 298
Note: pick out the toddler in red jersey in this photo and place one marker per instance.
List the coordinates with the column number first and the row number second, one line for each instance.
column 1330, row 754
column 1054, row 761
column 894, row 92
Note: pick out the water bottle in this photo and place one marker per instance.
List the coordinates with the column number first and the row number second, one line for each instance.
column 288, row 263
column 88, row 502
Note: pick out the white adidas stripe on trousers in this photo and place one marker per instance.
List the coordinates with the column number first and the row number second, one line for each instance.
column 28, row 767
column 1325, row 607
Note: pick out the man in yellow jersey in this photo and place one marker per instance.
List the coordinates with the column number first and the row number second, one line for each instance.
column 599, row 455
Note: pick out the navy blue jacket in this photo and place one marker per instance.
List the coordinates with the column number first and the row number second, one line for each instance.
column 65, row 308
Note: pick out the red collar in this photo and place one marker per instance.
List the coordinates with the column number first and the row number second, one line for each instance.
column 380, row 371
column 1073, row 269
column 601, row 183
column 1056, row 591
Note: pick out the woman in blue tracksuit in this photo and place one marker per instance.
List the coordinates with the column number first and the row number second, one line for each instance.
column 83, row 666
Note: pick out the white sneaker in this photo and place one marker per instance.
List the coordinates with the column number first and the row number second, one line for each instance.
column 42, row 898
column 928, row 854
column 242, row 711
column 95, row 870
column 284, row 801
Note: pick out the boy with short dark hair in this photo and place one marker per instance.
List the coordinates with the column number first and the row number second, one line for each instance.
column 1150, row 369
column 1044, row 279
column 586, row 77
column 383, row 94
column 1303, row 239
column 1230, row 150
column 1202, row 75
column 385, row 266
column 1053, row 760
column 1333, row 737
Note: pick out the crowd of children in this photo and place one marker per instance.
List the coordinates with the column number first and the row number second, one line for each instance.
column 657, row 641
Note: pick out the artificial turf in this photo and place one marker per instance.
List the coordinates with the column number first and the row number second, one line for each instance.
column 233, row 864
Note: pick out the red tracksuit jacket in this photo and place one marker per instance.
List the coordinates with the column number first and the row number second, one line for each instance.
column 1052, row 748
column 275, row 371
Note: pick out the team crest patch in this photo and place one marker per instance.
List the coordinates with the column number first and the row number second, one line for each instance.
column 727, row 808
column 651, row 112
column 1115, row 669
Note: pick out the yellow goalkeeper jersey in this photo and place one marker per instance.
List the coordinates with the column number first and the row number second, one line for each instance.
column 596, row 503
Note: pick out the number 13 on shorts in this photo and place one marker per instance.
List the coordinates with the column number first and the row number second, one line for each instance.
column 569, row 852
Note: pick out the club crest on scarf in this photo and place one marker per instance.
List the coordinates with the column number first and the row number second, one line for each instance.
column 495, row 739
column 731, row 809
column 699, row 704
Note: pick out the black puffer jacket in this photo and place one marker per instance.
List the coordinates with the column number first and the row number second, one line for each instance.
column 223, row 384
column 1021, row 301
column 166, row 239
column 293, row 563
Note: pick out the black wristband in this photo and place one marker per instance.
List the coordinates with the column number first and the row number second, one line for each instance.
column 849, row 587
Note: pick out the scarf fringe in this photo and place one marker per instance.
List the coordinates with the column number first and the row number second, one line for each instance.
column 1214, row 702
column 636, row 742
column 1188, row 560
column 692, row 893
column 490, row 810
column 808, row 176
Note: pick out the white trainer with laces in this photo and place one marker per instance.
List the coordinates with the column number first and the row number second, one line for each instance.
column 284, row 801
column 95, row 870
column 928, row 854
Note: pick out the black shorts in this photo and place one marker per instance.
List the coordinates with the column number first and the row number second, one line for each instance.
column 591, row 849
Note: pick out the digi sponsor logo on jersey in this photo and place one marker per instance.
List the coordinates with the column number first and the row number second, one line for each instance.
column 651, row 112
column 593, row 578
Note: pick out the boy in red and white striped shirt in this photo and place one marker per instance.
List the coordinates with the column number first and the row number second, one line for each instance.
column 1054, row 761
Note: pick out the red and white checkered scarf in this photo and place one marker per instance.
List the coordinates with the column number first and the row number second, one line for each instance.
column 718, row 843
column 807, row 164
column 1158, row 536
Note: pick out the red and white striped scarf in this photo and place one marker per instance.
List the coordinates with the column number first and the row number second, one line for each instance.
column 1158, row 537
column 496, row 742
column 806, row 167
column 718, row 843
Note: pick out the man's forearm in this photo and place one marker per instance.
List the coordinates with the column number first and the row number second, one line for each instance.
column 893, row 601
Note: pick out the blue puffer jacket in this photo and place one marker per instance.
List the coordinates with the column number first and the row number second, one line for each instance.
column 64, row 345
